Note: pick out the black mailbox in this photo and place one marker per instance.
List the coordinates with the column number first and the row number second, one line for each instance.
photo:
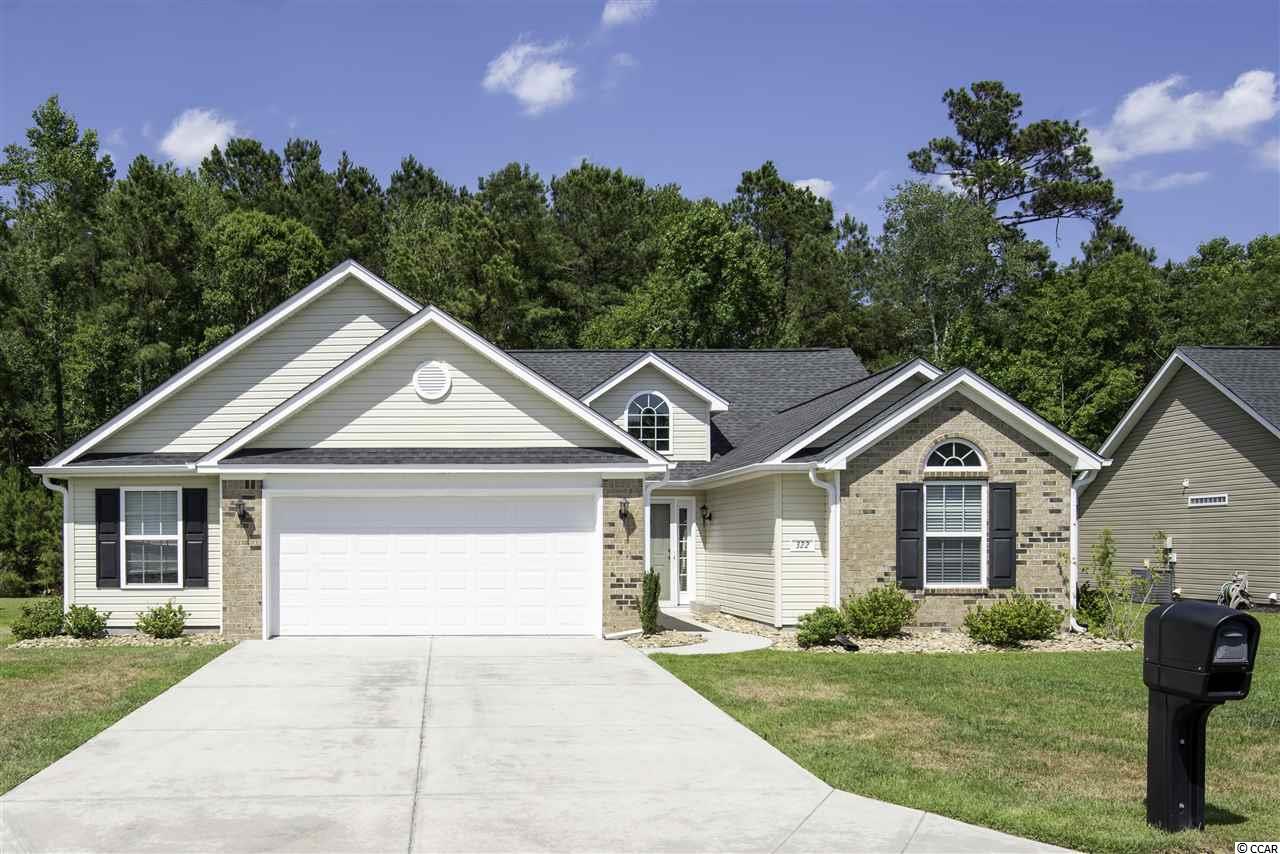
column 1196, row 656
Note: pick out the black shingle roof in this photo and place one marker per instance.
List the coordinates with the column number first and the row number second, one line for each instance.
column 1252, row 374
column 135, row 459
column 428, row 456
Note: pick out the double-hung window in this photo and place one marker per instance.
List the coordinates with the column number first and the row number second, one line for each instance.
column 152, row 524
column 954, row 534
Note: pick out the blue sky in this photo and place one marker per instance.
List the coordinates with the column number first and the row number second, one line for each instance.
column 1182, row 95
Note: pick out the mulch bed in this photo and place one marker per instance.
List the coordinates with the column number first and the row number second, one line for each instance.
column 135, row 639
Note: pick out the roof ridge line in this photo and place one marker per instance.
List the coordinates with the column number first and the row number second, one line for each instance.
column 890, row 369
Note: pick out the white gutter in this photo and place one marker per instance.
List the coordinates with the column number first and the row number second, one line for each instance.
column 833, row 528
column 66, row 538
column 1077, row 486
column 94, row 471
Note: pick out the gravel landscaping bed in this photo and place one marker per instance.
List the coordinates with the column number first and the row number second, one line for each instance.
column 921, row 642
column 665, row 639
column 135, row 639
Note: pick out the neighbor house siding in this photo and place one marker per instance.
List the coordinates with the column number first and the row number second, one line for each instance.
column 1192, row 432
column 263, row 374
column 203, row 604
column 806, row 576
column 690, row 415
column 740, row 548
column 486, row 406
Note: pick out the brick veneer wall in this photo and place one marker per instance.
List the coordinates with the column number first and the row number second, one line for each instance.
column 242, row 560
column 623, row 554
column 868, row 530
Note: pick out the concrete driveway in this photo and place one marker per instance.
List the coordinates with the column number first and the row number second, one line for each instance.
column 446, row 744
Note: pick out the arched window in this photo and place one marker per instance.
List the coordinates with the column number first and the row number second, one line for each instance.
column 649, row 420
column 955, row 455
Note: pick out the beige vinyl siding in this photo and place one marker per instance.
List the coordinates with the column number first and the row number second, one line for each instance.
column 203, row 604
column 690, row 415
column 487, row 406
column 806, row 576
column 263, row 374
column 1192, row 431
column 740, row 571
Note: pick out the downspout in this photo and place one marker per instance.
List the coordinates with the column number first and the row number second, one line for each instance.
column 1077, row 486
column 833, row 529
column 66, row 537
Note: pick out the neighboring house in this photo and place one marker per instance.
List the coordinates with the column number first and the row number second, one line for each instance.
column 1197, row 457
column 353, row 463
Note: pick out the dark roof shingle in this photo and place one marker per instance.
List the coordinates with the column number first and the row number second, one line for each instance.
column 1252, row 374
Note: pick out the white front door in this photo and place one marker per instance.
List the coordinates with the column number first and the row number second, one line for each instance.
column 361, row 565
column 671, row 532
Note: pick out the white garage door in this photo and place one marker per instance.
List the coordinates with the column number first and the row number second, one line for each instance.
column 441, row 565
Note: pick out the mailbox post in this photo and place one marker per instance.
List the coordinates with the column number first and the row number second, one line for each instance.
column 1196, row 656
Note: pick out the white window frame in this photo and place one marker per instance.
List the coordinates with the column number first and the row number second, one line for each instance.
column 1213, row 502
column 671, row 421
column 127, row 538
column 982, row 461
column 981, row 535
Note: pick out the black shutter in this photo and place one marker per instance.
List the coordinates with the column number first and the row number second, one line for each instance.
column 910, row 535
column 1002, row 515
column 195, row 538
column 106, row 505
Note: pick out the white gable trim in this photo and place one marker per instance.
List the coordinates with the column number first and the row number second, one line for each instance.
column 983, row 393
column 233, row 345
column 653, row 360
column 1158, row 383
column 430, row 315
column 914, row 368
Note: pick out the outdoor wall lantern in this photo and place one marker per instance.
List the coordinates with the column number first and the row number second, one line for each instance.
column 705, row 512
column 624, row 509
column 242, row 512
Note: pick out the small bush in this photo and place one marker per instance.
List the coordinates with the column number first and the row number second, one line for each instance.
column 879, row 613
column 1091, row 607
column 12, row 585
column 86, row 621
column 1012, row 621
column 819, row 627
column 649, row 603
column 163, row 621
column 41, row 618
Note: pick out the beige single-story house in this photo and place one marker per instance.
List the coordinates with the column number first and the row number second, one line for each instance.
column 1197, row 458
column 355, row 463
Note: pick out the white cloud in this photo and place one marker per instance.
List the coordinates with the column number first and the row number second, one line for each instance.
column 194, row 133
column 619, row 12
column 820, row 187
column 1146, row 182
column 534, row 74
column 1159, row 118
column 875, row 182
column 944, row 182
column 116, row 137
column 1269, row 153
column 624, row 60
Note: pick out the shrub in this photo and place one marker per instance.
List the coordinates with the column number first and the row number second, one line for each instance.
column 40, row 618
column 649, row 603
column 86, row 621
column 1012, row 621
column 12, row 585
column 879, row 613
column 1091, row 607
column 819, row 627
column 163, row 621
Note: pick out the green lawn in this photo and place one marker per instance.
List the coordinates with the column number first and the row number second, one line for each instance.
column 1046, row 745
column 53, row 700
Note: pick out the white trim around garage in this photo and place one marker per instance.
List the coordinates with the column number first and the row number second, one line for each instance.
column 390, row 340
column 234, row 344
column 715, row 401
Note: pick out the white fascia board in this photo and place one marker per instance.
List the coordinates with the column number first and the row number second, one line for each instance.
column 389, row 341
column 239, row 471
column 1158, row 383
column 983, row 393
column 737, row 475
column 653, row 360
column 118, row 471
column 914, row 368
column 233, row 344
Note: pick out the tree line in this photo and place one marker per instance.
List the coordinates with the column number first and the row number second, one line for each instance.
column 110, row 284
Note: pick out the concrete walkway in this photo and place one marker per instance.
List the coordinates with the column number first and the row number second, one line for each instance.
column 447, row 744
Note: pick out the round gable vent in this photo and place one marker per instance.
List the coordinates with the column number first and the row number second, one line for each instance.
column 431, row 380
